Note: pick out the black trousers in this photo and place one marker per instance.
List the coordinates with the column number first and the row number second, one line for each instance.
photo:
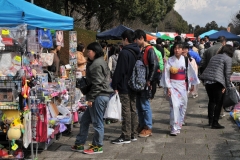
column 154, row 87
column 215, row 102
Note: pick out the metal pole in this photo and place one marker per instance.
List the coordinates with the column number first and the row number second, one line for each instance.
column 32, row 1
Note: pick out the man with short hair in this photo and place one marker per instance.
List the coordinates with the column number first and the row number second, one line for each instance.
column 159, row 46
column 207, row 42
column 122, row 73
column 142, row 100
column 210, row 52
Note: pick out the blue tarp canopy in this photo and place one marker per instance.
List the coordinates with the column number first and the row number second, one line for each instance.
column 229, row 36
column 208, row 33
column 113, row 34
column 14, row 12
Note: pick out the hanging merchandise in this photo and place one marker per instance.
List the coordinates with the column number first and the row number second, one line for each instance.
column 46, row 59
column 42, row 123
column 59, row 38
column 14, row 35
column 27, row 136
column 45, row 38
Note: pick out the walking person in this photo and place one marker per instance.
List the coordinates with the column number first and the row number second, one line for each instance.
column 97, row 73
column 113, row 58
column 142, row 100
column 123, row 71
column 217, row 78
column 185, row 53
column 178, row 73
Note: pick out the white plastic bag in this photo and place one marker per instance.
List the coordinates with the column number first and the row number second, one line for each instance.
column 114, row 108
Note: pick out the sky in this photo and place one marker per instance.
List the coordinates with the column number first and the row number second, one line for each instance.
column 201, row 12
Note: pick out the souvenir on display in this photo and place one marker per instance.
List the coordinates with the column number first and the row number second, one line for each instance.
column 59, row 38
column 45, row 38
column 14, row 132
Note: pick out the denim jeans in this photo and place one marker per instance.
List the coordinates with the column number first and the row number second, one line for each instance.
column 93, row 115
column 144, row 112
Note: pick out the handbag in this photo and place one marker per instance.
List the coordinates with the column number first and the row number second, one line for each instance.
column 114, row 108
column 231, row 97
column 83, row 85
column 46, row 59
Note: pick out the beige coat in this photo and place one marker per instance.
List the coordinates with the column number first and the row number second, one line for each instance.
column 81, row 61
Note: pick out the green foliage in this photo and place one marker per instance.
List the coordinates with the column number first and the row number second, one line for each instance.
column 149, row 11
column 175, row 23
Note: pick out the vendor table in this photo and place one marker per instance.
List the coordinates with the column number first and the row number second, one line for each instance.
column 235, row 80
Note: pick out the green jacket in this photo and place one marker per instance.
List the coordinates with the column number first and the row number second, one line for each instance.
column 160, row 59
column 98, row 74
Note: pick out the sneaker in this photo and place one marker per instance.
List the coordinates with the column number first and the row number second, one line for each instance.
column 133, row 138
column 174, row 132
column 121, row 140
column 195, row 96
column 145, row 133
column 93, row 150
column 77, row 148
column 222, row 115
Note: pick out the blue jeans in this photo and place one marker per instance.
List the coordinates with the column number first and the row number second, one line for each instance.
column 144, row 112
column 93, row 115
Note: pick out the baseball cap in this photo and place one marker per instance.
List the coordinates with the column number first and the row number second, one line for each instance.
column 190, row 43
column 153, row 41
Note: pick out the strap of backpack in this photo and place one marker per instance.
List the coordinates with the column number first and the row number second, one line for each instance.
column 145, row 55
column 134, row 54
column 186, row 72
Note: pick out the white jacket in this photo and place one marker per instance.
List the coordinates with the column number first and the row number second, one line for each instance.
column 236, row 57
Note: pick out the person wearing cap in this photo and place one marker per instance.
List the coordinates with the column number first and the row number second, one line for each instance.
column 194, row 54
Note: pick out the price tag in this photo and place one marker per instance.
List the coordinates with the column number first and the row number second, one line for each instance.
column 5, row 32
column 17, row 58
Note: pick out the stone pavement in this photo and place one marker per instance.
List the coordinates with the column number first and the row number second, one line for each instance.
column 197, row 141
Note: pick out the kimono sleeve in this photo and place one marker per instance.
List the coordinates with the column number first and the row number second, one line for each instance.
column 165, row 80
column 192, row 75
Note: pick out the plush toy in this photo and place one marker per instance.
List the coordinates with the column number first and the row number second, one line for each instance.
column 15, row 131
column 25, row 88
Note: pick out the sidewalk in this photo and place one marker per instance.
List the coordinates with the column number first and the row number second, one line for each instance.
column 197, row 141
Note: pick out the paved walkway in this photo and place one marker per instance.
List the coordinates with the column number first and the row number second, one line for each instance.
column 197, row 141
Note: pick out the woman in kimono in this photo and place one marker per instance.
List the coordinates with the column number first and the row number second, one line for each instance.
column 175, row 82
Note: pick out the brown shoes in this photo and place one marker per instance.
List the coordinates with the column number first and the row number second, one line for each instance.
column 146, row 132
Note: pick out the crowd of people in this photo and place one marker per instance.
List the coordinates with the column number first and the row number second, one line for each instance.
column 177, row 68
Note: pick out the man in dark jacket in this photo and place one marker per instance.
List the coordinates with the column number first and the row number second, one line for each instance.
column 142, row 101
column 159, row 46
column 207, row 42
column 122, row 73
column 210, row 52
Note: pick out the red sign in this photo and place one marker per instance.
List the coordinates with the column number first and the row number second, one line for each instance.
column 7, row 41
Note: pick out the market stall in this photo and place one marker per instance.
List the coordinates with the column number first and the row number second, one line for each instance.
column 33, row 109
